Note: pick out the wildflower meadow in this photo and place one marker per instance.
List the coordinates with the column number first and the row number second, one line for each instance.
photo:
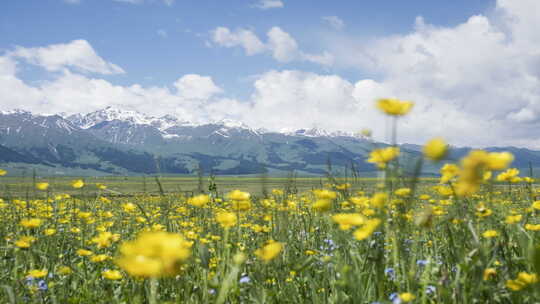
column 471, row 235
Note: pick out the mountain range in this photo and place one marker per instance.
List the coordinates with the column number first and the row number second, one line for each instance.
column 113, row 141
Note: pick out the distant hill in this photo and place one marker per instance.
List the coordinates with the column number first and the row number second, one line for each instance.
column 113, row 141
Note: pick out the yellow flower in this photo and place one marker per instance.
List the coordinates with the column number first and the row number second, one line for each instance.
column 154, row 254
column 406, row 297
column 99, row 258
column 324, row 194
column 103, row 240
column 475, row 164
column 436, row 149
column 322, row 205
column 226, row 219
column 347, row 220
column 499, row 160
column 532, row 227
column 64, row 270
column 523, row 280
column 379, row 199
column 536, row 205
column 489, row 273
column 394, row 107
column 512, row 219
column 244, row 205
column 490, row 234
column 111, row 275
column 448, row 172
column 269, row 251
column 31, row 223
column 367, row 229
column 381, row 157
column 199, row 200
column 237, row 195
column 3, row 172
column 37, row 273
column 25, row 242
column 84, row 252
column 42, row 186
column 403, row 192
column 508, row 175
column 343, row 186
column 78, row 183
column 101, row 186
column 129, row 207
column 50, row 231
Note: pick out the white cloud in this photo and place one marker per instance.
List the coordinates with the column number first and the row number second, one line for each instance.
column 268, row 4
column 476, row 83
column 280, row 44
column 241, row 37
column 284, row 48
column 192, row 86
column 334, row 21
column 77, row 54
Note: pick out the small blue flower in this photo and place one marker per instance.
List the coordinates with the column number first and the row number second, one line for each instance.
column 430, row 289
column 42, row 285
column 394, row 297
column 244, row 279
column 421, row 262
column 390, row 272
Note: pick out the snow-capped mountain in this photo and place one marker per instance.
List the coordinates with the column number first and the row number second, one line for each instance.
column 115, row 141
column 131, row 127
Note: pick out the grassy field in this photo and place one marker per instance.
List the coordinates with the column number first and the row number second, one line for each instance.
column 470, row 236
column 131, row 185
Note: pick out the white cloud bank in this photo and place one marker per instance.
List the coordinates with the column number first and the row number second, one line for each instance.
column 280, row 44
column 477, row 83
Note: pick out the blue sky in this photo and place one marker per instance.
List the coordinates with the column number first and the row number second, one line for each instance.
column 470, row 66
column 127, row 34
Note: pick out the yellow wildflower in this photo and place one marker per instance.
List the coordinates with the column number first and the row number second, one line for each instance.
column 532, row 227
column 84, row 252
column 436, row 149
column 37, row 273
column 394, row 107
column 226, row 219
column 324, row 194
column 489, row 273
column 42, row 186
column 347, row 220
column 367, row 229
column 522, row 281
column 490, row 234
column 322, row 205
column 154, row 254
column 406, row 297
column 25, row 242
column 31, row 223
column 199, row 200
column 237, row 195
column 78, row 183
column 512, row 219
column 381, row 157
column 111, row 275
column 378, row 200
column 403, row 192
column 269, row 251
